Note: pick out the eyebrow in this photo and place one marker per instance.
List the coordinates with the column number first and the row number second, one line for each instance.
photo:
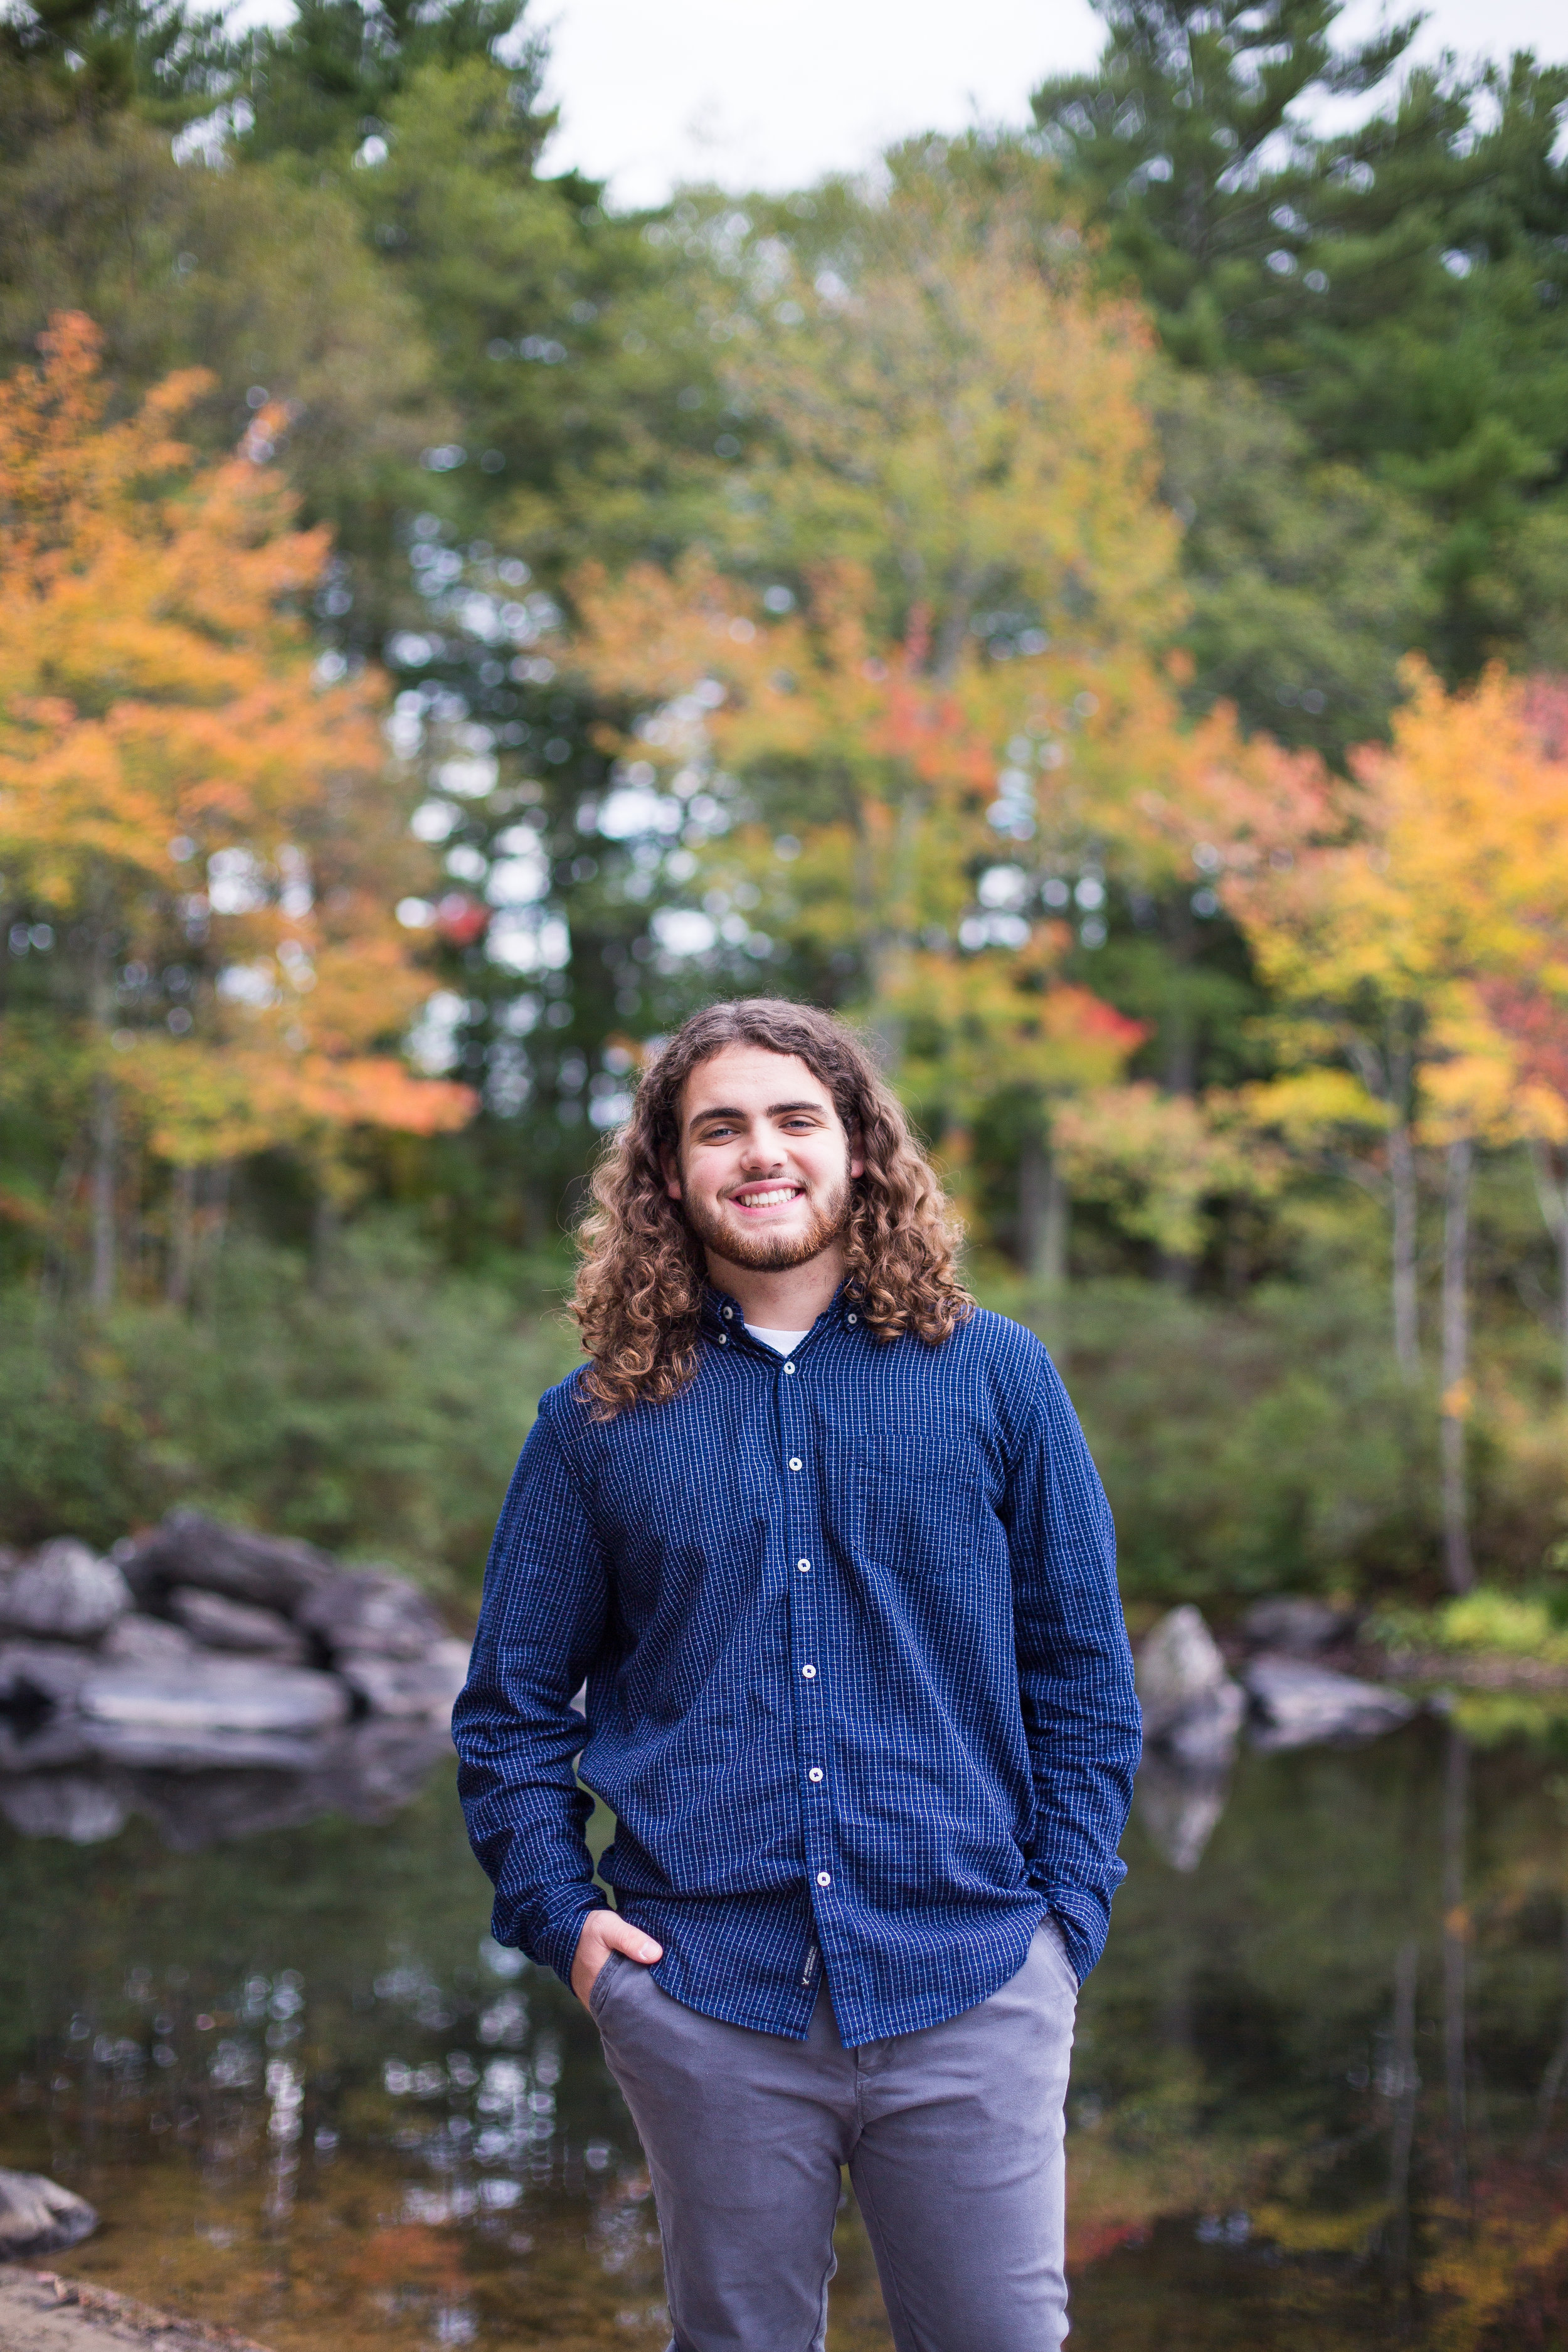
column 775, row 1110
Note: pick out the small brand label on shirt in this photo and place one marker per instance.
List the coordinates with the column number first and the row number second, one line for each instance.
column 808, row 1974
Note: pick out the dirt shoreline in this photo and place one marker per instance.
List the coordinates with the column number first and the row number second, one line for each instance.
column 40, row 2312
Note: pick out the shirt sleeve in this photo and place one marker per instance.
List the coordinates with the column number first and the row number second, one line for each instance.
column 540, row 1625
column 1075, row 1671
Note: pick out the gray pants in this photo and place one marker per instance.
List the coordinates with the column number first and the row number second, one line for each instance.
column 952, row 2137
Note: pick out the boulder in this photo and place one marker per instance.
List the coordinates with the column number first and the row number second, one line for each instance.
column 408, row 1686
column 1294, row 1625
column 218, row 1624
column 134, row 1640
column 69, row 1805
column 1183, row 1684
column 372, row 1612
column 1297, row 1704
column 214, row 1695
column 65, row 1591
column 39, row 2216
column 1203, row 1739
column 270, row 1572
column 42, row 1744
column 42, row 1673
column 214, row 1751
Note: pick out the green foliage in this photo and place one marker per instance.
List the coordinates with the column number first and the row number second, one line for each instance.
column 1486, row 1623
column 1399, row 287
column 92, row 60
column 327, row 78
column 1308, row 581
column 373, row 1405
column 1249, row 1449
column 1175, row 139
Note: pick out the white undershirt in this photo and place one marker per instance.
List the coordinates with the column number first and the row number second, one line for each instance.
column 786, row 1342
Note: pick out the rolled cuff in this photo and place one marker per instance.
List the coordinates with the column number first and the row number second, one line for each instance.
column 547, row 1928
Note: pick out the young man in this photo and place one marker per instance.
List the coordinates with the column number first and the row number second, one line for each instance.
column 827, row 1547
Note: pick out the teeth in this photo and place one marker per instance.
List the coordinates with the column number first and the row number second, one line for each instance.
column 767, row 1200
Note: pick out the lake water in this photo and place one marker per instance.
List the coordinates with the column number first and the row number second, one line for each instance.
column 1320, row 2099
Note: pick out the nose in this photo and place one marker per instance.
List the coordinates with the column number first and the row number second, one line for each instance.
column 761, row 1153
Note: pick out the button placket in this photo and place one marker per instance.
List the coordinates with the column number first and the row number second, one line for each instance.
column 810, row 1660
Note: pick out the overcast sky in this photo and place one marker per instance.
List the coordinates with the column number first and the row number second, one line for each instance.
column 771, row 93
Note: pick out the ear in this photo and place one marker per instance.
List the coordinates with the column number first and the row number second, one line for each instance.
column 672, row 1174
column 856, row 1154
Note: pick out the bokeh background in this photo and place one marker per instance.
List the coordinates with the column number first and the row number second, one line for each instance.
column 1084, row 592
column 1045, row 529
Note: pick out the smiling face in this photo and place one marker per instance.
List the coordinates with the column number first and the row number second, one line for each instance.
column 765, row 1165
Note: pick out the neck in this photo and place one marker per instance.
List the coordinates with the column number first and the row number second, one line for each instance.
column 782, row 1299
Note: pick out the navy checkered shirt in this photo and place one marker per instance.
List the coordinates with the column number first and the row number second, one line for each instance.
column 858, row 1689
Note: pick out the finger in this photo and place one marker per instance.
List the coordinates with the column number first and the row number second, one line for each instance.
column 624, row 1937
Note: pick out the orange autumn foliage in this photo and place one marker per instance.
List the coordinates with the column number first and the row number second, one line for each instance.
column 179, row 791
column 881, row 772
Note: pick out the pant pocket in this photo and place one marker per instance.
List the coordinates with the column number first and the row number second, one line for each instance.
column 601, row 1984
column 1049, row 1935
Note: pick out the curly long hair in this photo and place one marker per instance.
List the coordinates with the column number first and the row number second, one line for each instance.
column 639, row 1286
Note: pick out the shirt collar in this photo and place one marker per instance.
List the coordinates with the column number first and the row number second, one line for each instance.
column 721, row 1315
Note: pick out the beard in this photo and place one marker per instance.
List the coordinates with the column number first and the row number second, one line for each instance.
column 771, row 1252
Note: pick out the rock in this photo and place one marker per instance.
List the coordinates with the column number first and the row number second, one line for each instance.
column 39, row 2216
column 213, row 1752
column 42, row 1673
column 222, row 1624
column 214, row 1695
column 134, row 1640
column 1293, row 1624
column 369, row 1612
column 1182, row 1681
column 1203, row 1739
column 43, row 1744
column 408, row 1686
column 1297, row 1703
column 65, row 1590
column 270, row 1572
column 1179, row 1809
column 67, row 1805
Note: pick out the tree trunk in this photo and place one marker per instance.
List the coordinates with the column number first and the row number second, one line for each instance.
column 1402, row 1196
column 104, row 1122
column 1551, row 1193
column 1043, row 1214
column 181, row 1236
column 105, row 1142
column 215, row 1224
column 1456, row 1408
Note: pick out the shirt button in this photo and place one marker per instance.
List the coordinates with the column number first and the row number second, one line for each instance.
column 815, row 1773
column 723, row 1338
column 728, row 1314
column 809, row 1673
column 854, row 1319
column 825, row 1878
column 795, row 1461
column 789, row 1368
column 804, row 1566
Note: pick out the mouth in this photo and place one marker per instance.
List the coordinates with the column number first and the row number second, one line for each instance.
column 761, row 1197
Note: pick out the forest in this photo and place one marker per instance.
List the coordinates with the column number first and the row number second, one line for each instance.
column 1088, row 603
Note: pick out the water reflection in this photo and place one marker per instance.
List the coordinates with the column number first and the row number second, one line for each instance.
column 1320, row 2096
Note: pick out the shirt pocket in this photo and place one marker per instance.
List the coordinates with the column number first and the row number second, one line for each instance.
column 913, row 1500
